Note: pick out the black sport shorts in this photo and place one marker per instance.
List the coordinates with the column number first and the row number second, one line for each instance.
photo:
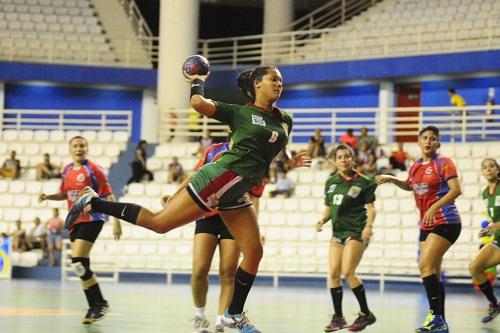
column 447, row 231
column 87, row 231
column 213, row 225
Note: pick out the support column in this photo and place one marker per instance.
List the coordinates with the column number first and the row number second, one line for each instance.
column 385, row 100
column 278, row 15
column 2, row 102
column 178, row 40
column 150, row 112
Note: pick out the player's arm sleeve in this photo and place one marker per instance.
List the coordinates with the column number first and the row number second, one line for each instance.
column 448, row 169
column 225, row 113
column 103, row 186
column 370, row 192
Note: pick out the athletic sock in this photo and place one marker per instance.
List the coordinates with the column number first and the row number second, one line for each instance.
column 431, row 284
column 360, row 294
column 242, row 284
column 218, row 320
column 337, row 294
column 124, row 211
column 487, row 290
column 88, row 297
column 199, row 312
column 442, row 298
column 95, row 294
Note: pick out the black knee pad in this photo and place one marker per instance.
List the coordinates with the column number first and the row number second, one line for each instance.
column 81, row 267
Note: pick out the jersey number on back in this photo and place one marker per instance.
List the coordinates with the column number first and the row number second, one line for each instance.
column 274, row 137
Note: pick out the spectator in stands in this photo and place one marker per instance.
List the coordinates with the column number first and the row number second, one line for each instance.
column 37, row 236
column 398, row 158
column 370, row 141
column 316, row 147
column 47, row 170
column 458, row 101
column 490, row 103
column 349, row 203
column 54, row 226
column 86, row 228
column 278, row 165
column 172, row 123
column 284, row 185
column 175, row 171
column 11, row 168
column 349, row 138
column 489, row 255
column 434, row 181
column 259, row 132
column 19, row 241
column 205, row 142
column 139, row 169
column 370, row 167
column 194, row 123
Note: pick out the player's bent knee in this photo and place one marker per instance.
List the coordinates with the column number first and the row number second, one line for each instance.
column 81, row 267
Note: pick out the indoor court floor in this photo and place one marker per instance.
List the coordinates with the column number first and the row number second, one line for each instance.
column 28, row 306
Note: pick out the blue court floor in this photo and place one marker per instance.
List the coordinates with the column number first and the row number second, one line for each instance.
column 29, row 306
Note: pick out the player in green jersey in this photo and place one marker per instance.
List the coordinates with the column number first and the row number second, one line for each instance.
column 489, row 255
column 259, row 132
column 349, row 204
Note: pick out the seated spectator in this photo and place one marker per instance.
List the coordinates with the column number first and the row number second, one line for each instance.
column 370, row 141
column 37, row 236
column 19, row 242
column 363, row 152
column 349, row 138
column 175, row 171
column 47, row 170
column 54, row 242
column 205, row 142
column 370, row 168
column 11, row 168
column 316, row 147
column 139, row 169
column 398, row 158
column 278, row 165
column 284, row 185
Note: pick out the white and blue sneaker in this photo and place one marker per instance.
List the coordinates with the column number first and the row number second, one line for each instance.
column 200, row 325
column 239, row 321
column 81, row 204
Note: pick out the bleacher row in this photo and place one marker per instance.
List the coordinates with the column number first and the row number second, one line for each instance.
column 57, row 29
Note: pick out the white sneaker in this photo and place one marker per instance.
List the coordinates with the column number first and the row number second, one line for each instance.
column 81, row 204
column 200, row 325
column 219, row 329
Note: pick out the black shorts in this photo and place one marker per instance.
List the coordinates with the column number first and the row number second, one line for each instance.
column 87, row 231
column 213, row 225
column 447, row 231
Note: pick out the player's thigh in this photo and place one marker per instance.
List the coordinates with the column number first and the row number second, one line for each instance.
column 353, row 252
column 242, row 223
column 204, row 246
column 488, row 256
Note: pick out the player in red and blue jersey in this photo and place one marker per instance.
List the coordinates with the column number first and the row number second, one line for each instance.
column 75, row 177
column 434, row 182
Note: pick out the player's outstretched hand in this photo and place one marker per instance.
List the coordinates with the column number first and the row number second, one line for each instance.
column 300, row 160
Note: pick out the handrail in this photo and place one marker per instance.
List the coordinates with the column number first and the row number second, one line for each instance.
column 35, row 119
column 464, row 124
column 330, row 14
column 138, row 22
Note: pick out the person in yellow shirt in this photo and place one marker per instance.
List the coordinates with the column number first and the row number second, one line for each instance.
column 459, row 101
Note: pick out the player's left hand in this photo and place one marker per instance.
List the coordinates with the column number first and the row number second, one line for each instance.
column 429, row 219
column 117, row 230
column 367, row 233
column 300, row 160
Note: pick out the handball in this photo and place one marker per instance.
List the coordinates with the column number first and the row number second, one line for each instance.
column 195, row 66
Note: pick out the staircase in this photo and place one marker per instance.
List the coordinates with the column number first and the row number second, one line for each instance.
column 126, row 45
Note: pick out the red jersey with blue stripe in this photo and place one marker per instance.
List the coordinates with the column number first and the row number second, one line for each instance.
column 75, row 178
column 428, row 180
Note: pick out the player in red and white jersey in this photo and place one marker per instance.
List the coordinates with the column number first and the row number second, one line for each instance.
column 75, row 177
column 434, row 181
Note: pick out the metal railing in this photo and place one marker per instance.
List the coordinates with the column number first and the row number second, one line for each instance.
column 139, row 24
column 102, row 120
column 331, row 14
column 343, row 43
column 464, row 124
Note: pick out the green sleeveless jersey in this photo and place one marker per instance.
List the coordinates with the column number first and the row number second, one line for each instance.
column 347, row 201
column 493, row 205
column 257, row 137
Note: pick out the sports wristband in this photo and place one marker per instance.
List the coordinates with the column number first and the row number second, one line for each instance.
column 197, row 87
